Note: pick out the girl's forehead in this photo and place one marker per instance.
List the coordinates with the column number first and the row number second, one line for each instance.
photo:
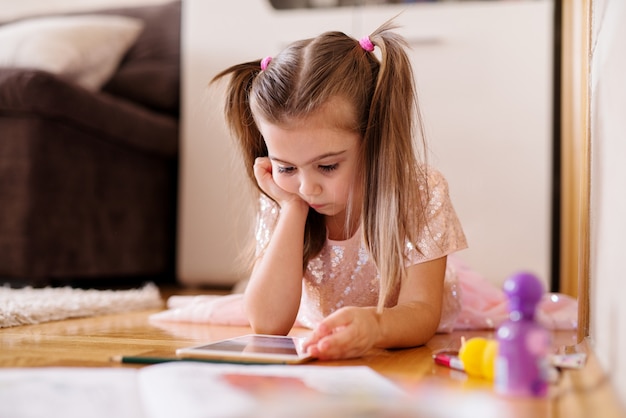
column 309, row 134
column 303, row 143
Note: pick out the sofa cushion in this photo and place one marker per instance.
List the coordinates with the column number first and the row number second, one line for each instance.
column 84, row 49
column 150, row 72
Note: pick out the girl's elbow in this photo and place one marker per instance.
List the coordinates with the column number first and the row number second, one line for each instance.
column 430, row 328
column 270, row 327
column 269, row 321
column 427, row 329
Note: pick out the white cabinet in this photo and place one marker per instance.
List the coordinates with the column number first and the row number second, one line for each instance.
column 483, row 72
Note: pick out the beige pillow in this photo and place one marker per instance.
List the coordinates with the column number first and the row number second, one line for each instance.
column 86, row 49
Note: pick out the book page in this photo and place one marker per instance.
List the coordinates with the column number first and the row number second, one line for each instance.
column 190, row 390
column 69, row 393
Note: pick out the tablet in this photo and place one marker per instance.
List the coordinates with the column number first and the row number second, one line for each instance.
column 251, row 348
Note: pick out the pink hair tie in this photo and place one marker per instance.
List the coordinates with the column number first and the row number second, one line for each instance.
column 366, row 44
column 265, row 62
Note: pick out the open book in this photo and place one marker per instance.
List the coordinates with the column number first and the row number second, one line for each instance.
column 205, row 390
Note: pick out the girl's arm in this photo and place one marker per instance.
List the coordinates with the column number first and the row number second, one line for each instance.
column 272, row 296
column 351, row 331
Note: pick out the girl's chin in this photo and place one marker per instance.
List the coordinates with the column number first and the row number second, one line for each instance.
column 325, row 210
column 322, row 212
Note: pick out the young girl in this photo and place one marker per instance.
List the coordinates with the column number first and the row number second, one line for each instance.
column 353, row 231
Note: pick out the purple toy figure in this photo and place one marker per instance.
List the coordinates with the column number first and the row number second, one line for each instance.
column 521, row 366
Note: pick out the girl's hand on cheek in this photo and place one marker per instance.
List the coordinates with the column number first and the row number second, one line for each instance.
column 347, row 333
column 265, row 180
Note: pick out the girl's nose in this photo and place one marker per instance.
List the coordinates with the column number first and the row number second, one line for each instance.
column 309, row 187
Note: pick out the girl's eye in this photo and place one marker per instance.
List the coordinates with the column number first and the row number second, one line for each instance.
column 328, row 168
column 286, row 170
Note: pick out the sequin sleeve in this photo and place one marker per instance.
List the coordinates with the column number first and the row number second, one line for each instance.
column 265, row 223
column 442, row 234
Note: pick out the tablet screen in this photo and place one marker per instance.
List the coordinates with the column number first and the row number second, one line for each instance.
column 265, row 348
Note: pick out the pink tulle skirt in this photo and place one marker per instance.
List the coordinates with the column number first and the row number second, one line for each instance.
column 482, row 305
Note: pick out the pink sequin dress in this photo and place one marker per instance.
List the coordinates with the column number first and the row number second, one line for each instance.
column 343, row 273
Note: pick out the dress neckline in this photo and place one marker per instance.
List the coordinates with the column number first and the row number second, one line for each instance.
column 346, row 241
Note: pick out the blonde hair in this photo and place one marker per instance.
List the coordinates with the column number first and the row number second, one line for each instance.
column 299, row 81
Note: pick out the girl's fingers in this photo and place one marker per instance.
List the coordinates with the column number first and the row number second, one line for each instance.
column 262, row 170
column 339, row 345
column 263, row 175
column 263, row 163
column 347, row 333
column 331, row 339
column 318, row 333
column 264, row 178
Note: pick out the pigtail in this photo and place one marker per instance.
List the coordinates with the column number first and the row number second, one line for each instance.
column 391, row 167
column 239, row 114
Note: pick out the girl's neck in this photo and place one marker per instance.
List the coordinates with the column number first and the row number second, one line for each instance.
column 337, row 229
column 344, row 225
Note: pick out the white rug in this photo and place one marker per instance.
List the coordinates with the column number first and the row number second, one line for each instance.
column 32, row 306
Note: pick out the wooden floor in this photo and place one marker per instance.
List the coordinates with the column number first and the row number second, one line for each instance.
column 91, row 342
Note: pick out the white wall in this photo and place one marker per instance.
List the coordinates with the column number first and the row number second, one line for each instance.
column 608, row 189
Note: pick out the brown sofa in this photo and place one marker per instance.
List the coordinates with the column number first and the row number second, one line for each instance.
column 88, row 179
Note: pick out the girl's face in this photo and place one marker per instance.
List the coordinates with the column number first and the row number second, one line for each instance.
column 316, row 159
